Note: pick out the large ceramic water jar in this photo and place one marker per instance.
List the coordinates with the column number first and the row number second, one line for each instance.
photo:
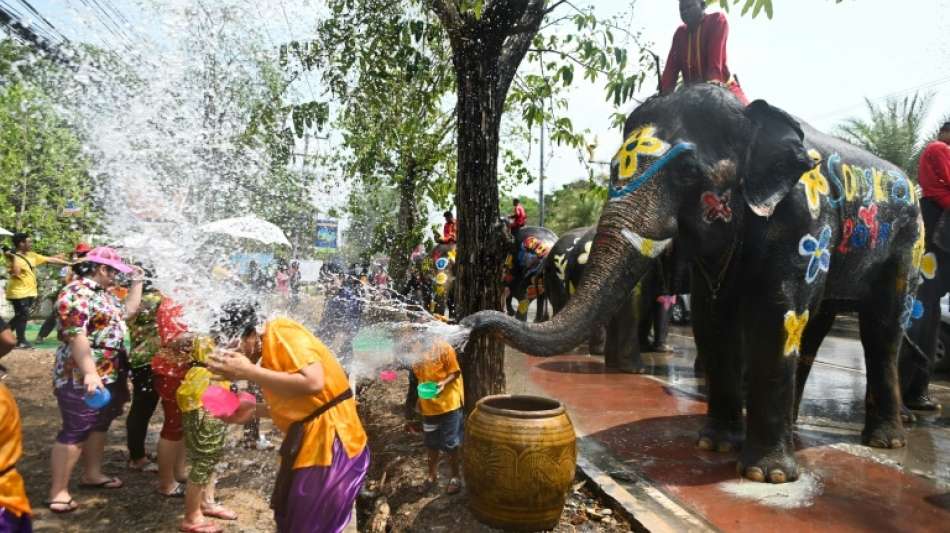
column 520, row 457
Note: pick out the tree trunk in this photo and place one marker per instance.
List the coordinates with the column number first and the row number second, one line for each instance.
column 406, row 221
column 479, row 258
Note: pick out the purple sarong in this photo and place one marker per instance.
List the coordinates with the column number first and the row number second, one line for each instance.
column 10, row 523
column 79, row 420
column 321, row 497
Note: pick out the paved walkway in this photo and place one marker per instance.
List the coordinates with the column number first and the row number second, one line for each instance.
column 647, row 425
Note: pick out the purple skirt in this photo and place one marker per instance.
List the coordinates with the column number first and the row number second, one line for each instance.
column 321, row 497
column 9, row 523
column 79, row 420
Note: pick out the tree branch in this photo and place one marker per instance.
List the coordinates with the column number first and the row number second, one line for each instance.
column 565, row 55
column 516, row 46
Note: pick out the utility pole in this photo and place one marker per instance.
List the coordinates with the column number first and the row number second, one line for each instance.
column 541, row 186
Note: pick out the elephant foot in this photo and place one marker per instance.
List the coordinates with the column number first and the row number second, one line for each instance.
column 719, row 437
column 596, row 349
column 884, row 434
column 776, row 465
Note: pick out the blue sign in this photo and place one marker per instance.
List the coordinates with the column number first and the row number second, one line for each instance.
column 327, row 232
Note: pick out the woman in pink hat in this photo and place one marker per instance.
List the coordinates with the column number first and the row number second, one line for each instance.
column 91, row 357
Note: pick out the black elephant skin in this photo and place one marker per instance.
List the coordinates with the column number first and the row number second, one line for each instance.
column 786, row 227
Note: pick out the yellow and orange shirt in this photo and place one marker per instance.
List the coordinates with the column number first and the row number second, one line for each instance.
column 12, row 492
column 290, row 347
column 437, row 364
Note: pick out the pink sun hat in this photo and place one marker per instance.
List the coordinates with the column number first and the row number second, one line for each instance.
column 107, row 256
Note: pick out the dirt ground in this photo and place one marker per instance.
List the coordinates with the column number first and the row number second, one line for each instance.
column 246, row 476
column 245, row 480
column 398, row 472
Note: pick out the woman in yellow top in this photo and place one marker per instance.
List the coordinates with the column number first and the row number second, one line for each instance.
column 324, row 458
column 14, row 507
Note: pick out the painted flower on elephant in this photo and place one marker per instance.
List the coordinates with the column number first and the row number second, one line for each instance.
column 716, row 206
column 817, row 252
column 641, row 142
column 913, row 310
column 928, row 266
column 794, row 328
column 919, row 245
column 646, row 247
column 560, row 265
column 816, row 185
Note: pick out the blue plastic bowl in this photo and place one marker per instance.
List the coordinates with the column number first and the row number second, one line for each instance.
column 98, row 399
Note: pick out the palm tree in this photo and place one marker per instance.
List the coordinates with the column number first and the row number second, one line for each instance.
column 893, row 132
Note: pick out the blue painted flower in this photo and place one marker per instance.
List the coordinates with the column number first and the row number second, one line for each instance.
column 913, row 310
column 860, row 237
column 817, row 252
column 883, row 233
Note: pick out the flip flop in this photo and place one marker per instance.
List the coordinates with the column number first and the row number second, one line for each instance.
column 177, row 492
column 71, row 506
column 216, row 510
column 146, row 467
column 110, row 484
column 206, row 527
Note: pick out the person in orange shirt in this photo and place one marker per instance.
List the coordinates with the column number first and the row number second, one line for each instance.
column 324, row 456
column 15, row 511
column 449, row 230
column 442, row 415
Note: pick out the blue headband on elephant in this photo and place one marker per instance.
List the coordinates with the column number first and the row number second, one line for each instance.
column 619, row 192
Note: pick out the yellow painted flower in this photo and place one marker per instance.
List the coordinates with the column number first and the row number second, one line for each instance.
column 451, row 254
column 816, row 185
column 794, row 327
column 441, row 278
column 918, row 252
column 582, row 259
column 928, row 266
column 641, row 141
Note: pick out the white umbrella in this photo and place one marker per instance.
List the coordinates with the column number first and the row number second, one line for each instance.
column 248, row 227
column 5, row 232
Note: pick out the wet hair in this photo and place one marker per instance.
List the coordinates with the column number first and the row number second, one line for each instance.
column 19, row 238
column 515, row 201
column 237, row 318
column 945, row 128
column 447, row 214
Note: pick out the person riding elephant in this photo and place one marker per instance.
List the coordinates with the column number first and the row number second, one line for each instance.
column 522, row 275
column 920, row 346
column 628, row 329
column 785, row 227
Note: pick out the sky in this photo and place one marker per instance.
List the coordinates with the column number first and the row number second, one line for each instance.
column 815, row 58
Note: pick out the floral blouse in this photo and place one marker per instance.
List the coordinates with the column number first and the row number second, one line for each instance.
column 85, row 307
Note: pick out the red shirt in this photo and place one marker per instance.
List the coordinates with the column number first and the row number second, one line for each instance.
column 520, row 217
column 699, row 54
column 448, row 232
column 934, row 173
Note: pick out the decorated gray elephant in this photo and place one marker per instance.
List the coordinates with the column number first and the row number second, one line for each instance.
column 523, row 272
column 786, row 227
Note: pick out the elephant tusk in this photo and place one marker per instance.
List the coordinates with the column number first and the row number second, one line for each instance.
column 646, row 247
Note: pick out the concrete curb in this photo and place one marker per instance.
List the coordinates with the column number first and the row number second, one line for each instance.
column 636, row 498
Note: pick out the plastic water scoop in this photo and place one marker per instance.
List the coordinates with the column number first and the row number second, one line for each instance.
column 98, row 399
column 428, row 390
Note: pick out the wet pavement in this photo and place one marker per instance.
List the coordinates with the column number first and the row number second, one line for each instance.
column 646, row 426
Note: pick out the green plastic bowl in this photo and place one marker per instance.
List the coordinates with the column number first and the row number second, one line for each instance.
column 428, row 390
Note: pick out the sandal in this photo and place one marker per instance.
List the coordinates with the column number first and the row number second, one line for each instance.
column 147, row 466
column 204, row 527
column 454, row 486
column 177, row 492
column 71, row 506
column 111, row 484
column 216, row 510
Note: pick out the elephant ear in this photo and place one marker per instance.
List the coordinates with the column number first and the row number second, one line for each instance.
column 776, row 158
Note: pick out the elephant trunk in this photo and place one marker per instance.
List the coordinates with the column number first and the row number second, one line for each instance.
column 618, row 259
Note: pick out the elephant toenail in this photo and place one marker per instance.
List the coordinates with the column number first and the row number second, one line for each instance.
column 777, row 476
column 705, row 443
column 897, row 443
column 723, row 447
column 755, row 474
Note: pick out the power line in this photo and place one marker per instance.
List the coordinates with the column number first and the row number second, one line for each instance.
column 30, row 7
column 926, row 85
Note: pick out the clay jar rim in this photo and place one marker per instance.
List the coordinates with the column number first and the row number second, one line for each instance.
column 556, row 407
